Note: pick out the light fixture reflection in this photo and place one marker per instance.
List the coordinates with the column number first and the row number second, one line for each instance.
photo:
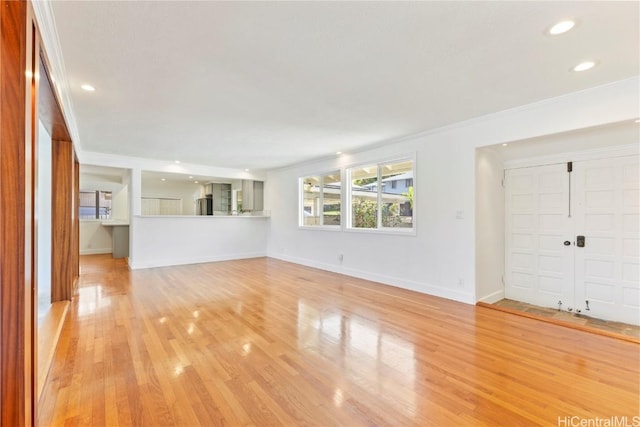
column 90, row 299
column 338, row 398
column 179, row 370
column 238, row 309
column 88, row 88
column 162, row 320
column 246, row 349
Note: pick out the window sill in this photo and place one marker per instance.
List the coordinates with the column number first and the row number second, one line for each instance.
column 321, row 227
column 389, row 231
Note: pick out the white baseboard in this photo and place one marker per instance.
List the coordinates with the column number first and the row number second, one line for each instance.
column 137, row 265
column 493, row 297
column 95, row 251
column 421, row 287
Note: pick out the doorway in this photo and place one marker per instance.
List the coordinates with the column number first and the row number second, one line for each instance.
column 572, row 237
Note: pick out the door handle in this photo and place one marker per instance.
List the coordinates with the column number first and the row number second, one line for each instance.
column 580, row 241
column 567, row 243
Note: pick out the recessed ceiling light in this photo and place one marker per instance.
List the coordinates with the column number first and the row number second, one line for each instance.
column 162, row 179
column 246, row 170
column 505, row 144
column 195, row 182
column 177, row 162
column 584, row 66
column 561, row 27
column 88, row 88
column 190, row 176
column 338, row 152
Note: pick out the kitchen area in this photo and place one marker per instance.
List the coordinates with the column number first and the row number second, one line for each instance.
column 226, row 199
column 197, row 219
column 160, row 218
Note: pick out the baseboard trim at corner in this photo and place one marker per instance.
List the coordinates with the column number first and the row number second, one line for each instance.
column 423, row 288
column 493, row 297
column 95, row 251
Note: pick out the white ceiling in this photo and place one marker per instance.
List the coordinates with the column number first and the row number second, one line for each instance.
column 267, row 84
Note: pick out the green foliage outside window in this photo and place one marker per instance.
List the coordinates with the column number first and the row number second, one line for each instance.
column 364, row 214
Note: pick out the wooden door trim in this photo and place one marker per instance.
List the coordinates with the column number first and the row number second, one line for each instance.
column 16, row 371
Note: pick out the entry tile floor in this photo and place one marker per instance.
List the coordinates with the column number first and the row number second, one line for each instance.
column 615, row 327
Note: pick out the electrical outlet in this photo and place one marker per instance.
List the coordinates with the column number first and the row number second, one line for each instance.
column 460, row 282
column 340, row 258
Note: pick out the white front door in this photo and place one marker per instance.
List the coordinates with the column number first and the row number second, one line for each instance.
column 539, row 266
column 607, row 199
column 547, row 209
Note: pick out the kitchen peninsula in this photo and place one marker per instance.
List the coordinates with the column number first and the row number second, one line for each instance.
column 173, row 240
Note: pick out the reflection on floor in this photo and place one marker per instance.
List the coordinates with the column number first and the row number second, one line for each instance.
column 615, row 327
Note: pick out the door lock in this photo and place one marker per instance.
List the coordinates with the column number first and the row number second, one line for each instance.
column 580, row 241
column 567, row 243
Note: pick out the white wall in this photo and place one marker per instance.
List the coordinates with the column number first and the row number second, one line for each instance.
column 95, row 238
column 161, row 241
column 120, row 204
column 490, row 233
column 433, row 261
column 43, row 206
column 441, row 258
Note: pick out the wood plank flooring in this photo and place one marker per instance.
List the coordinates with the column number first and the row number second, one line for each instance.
column 49, row 329
column 264, row 342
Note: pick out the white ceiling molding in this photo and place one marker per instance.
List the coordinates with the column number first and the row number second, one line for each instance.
column 154, row 165
column 53, row 51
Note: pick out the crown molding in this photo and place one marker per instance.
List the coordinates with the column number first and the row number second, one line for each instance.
column 51, row 46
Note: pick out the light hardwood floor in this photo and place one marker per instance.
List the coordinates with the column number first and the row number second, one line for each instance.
column 263, row 342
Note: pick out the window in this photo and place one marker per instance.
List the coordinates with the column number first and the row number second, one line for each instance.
column 376, row 204
column 321, row 200
column 95, row 204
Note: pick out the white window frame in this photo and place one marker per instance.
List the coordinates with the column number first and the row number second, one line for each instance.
column 320, row 226
column 348, row 210
column 97, row 218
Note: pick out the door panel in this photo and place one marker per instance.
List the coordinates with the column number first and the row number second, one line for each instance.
column 538, row 265
column 601, row 279
column 607, row 197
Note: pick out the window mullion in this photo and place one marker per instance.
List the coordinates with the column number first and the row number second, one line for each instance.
column 321, row 207
column 345, row 180
column 379, row 215
column 97, row 204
